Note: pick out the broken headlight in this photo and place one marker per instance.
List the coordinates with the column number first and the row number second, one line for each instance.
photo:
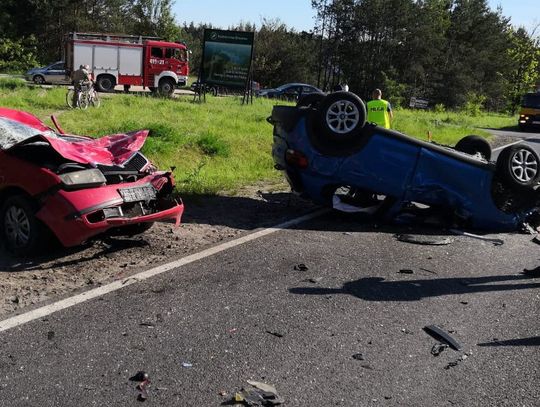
column 83, row 179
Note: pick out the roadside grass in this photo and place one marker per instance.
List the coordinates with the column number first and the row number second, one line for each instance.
column 448, row 127
column 214, row 146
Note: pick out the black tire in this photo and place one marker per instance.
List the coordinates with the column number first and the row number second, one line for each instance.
column 131, row 230
column 21, row 232
column 106, row 83
column 342, row 116
column 311, row 100
column 38, row 79
column 474, row 145
column 166, row 87
column 519, row 165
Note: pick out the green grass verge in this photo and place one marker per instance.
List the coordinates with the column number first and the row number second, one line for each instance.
column 214, row 146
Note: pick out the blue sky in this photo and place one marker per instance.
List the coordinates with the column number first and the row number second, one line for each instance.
column 298, row 13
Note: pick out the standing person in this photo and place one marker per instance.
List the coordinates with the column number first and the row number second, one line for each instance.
column 379, row 110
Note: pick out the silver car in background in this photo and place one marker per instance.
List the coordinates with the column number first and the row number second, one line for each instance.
column 54, row 73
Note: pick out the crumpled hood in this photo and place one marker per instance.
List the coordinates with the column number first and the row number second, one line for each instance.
column 18, row 127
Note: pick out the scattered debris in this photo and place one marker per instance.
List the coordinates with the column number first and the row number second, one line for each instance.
column 438, row 348
column 464, row 302
column 424, row 240
column 429, row 271
column 496, row 242
column 406, row 271
column 358, row 356
column 315, row 280
column 277, row 334
column 147, row 324
column 439, row 334
column 187, row 364
column 301, row 267
column 50, row 335
column 452, row 364
column 536, row 239
column 144, row 382
column 262, row 395
column 527, row 229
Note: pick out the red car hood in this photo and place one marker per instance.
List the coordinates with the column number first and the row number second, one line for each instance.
column 18, row 127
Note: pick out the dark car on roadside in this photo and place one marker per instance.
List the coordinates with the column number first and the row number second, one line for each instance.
column 55, row 73
column 330, row 154
column 289, row 91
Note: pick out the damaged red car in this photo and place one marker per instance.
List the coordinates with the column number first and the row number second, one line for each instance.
column 76, row 187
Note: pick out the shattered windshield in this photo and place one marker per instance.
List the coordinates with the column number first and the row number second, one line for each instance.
column 13, row 132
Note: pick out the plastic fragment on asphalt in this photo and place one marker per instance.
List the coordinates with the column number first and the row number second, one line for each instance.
column 187, row 364
column 358, row 356
column 262, row 395
column 315, row 280
column 144, row 382
column 496, row 242
column 301, row 267
column 341, row 206
column 424, row 240
column 406, row 271
column 276, row 334
column 438, row 348
column 439, row 334
column 536, row 239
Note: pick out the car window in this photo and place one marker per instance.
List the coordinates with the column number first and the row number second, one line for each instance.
column 157, row 52
column 307, row 89
column 531, row 101
column 178, row 54
column 57, row 67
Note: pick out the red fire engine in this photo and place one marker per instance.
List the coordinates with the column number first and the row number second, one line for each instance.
column 129, row 60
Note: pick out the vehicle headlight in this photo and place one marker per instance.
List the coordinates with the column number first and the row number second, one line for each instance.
column 83, row 179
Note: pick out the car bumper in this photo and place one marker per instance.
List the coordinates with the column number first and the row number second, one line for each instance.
column 76, row 216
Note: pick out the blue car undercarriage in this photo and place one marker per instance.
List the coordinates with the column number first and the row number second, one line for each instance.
column 332, row 156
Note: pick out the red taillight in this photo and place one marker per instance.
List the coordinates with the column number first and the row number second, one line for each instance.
column 296, row 159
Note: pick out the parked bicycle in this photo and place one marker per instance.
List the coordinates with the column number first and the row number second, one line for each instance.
column 83, row 97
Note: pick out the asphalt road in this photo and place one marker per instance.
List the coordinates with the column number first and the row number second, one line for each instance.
column 246, row 313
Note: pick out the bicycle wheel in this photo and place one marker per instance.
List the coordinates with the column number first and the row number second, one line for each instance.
column 83, row 100
column 94, row 99
column 70, row 98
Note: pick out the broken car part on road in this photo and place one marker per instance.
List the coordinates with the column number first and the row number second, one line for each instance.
column 442, row 335
column 76, row 187
column 325, row 147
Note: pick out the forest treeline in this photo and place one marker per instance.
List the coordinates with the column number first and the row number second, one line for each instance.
column 455, row 53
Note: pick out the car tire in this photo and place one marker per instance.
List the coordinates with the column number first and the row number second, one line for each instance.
column 342, row 116
column 21, row 231
column 519, row 165
column 311, row 100
column 106, row 83
column 166, row 87
column 38, row 79
column 474, row 145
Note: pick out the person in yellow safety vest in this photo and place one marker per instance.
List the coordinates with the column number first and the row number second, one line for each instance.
column 379, row 110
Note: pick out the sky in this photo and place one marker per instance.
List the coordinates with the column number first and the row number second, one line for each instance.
column 298, row 14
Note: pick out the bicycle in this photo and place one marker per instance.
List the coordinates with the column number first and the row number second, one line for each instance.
column 85, row 96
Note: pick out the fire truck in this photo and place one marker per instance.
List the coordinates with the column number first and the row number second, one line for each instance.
column 129, row 60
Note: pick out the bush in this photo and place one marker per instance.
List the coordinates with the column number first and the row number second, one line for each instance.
column 439, row 108
column 474, row 104
column 17, row 55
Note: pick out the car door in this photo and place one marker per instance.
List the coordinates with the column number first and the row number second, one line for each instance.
column 56, row 73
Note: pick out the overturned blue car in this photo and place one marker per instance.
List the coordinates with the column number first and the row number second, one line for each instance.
column 330, row 155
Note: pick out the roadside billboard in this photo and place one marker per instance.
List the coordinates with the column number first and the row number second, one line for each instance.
column 226, row 59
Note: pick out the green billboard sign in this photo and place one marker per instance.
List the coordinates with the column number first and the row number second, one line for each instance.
column 226, row 58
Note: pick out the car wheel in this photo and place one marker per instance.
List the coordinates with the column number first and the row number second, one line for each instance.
column 310, row 100
column 519, row 165
column 342, row 115
column 106, row 83
column 21, row 231
column 474, row 145
column 166, row 87
column 38, row 80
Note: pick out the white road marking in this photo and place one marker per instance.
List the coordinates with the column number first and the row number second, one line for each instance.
column 145, row 275
column 508, row 145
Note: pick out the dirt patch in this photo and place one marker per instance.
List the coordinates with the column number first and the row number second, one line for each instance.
column 207, row 221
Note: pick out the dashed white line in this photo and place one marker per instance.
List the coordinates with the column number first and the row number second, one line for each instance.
column 145, row 275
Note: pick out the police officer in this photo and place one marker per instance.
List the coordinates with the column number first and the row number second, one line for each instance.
column 379, row 110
